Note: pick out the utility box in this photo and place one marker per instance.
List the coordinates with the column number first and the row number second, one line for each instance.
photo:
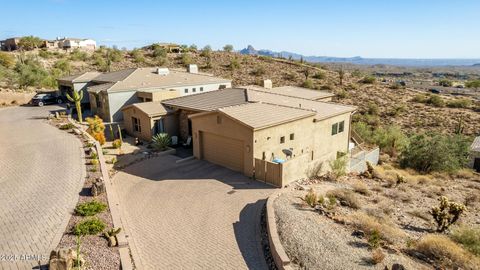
column 192, row 68
column 267, row 84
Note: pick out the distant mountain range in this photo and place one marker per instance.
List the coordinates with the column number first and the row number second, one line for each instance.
column 364, row 61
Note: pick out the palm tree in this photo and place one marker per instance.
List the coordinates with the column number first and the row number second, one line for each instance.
column 77, row 99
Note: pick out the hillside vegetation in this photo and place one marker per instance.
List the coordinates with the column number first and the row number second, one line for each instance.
column 379, row 104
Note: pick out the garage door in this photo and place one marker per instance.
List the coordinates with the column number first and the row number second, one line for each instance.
column 223, row 151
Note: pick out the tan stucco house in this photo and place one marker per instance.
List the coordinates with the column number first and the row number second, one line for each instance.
column 239, row 127
column 475, row 154
column 108, row 93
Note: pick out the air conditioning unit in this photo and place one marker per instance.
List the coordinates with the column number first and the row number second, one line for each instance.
column 163, row 71
column 192, row 68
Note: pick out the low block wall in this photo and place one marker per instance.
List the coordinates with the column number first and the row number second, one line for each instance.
column 358, row 162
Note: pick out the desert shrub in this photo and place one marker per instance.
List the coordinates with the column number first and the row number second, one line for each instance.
column 421, row 215
column 374, row 239
column 78, row 55
column 368, row 80
column 391, row 140
column 473, row 84
column 158, row 51
column 346, row 197
column 372, row 108
column 377, row 256
column 459, row 103
column 388, row 231
column 258, row 71
column 311, row 198
column 112, row 161
column 308, row 84
column 436, row 101
column 117, row 144
column 289, row 76
column 361, row 188
column 45, row 54
column 469, row 238
column 396, row 110
column 420, row 98
column 114, row 54
column 63, row 65
column 29, row 43
column 137, row 56
column 160, row 141
column 91, row 226
column 338, row 167
column 234, row 64
column 471, row 199
column 445, row 82
column 428, row 152
column 31, row 73
column 186, row 59
column 319, row 75
column 96, row 128
column 446, row 213
column 326, row 87
column 228, row 48
column 90, row 208
column 341, row 94
column 7, row 60
column 67, row 126
column 94, row 162
column 206, row 51
column 446, row 253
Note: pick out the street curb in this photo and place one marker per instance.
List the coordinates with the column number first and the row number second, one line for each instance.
column 113, row 204
column 279, row 255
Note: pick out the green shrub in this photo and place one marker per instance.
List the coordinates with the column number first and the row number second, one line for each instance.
column 90, row 208
column 311, row 198
column 91, row 226
column 391, row 140
column 117, row 144
column 30, row 42
column 7, row 60
column 259, row 71
column 137, row 56
column 372, row 108
column 158, row 51
column 445, row 83
column 206, row 51
column 346, row 197
column 341, row 94
column 429, row 152
column 368, row 80
column 374, row 239
column 459, row 103
column 319, row 75
column 78, row 55
column 469, row 238
column 228, row 48
column 436, row 101
column 161, row 141
column 234, row 64
column 420, row 98
column 63, row 65
column 338, row 167
column 186, row 59
column 473, row 84
column 67, row 126
column 308, row 84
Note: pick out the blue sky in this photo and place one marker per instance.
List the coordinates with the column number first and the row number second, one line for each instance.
column 368, row 28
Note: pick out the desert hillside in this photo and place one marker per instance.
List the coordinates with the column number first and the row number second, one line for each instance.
column 379, row 103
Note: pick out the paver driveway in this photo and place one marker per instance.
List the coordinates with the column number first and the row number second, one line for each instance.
column 41, row 175
column 192, row 215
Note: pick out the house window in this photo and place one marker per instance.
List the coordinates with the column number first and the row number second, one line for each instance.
column 219, row 119
column 222, row 86
column 292, row 136
column 282, row 139
column 194, row 90
column 136, row 124
column 334, row 128
column 341, row 126
column 185, row 91
column 201, row 89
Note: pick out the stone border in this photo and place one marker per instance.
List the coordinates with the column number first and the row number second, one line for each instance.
column 113, row 204
column 279, row 255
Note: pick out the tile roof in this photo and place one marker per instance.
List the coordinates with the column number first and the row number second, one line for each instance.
column 323, row 109
column 209, row 101
column 114, row 76
column 476, row 144
column 150, row 108
column 261, row 115
column 83, row 77
column 293, row 91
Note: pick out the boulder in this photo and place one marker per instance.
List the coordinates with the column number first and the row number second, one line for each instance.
column 63, row 259
column 98, row 187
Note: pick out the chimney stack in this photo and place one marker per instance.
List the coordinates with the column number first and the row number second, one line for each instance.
column 267, row 84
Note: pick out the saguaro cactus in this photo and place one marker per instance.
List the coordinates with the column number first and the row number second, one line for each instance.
column 76, row 98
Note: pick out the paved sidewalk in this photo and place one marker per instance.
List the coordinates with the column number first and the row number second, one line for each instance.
column 192, row 215
column 42, row 173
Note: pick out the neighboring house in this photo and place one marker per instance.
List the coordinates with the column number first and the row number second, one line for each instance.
column 78, row 82
column 109, row 92
column 475, row 154
column 76, row 43
column 168, row 47
column 10, row 44
column 241, row 127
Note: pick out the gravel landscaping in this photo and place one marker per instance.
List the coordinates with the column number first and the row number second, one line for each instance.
column 337, row 236
column 94, row 248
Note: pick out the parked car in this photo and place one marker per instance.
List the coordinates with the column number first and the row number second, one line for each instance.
column 47, row 98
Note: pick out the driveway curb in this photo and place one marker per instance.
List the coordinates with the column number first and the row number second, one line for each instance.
column 279, row 255
column 113, row 204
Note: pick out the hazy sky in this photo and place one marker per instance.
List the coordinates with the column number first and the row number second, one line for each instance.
column 368, row 28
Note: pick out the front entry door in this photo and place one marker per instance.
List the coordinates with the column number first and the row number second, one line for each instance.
column 159, row 126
